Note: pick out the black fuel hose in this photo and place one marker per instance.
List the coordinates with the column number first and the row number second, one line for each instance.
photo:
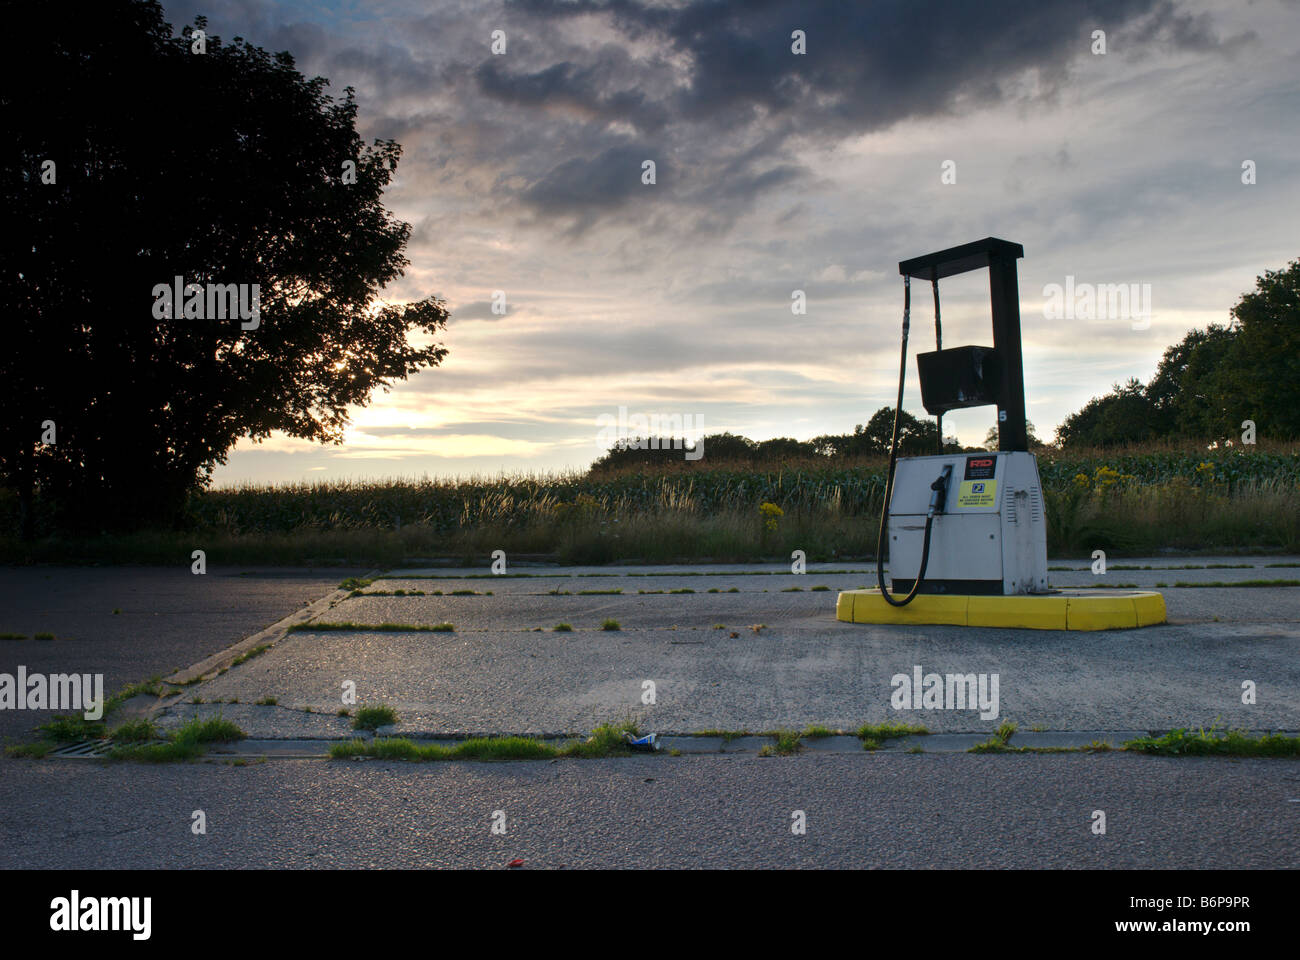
column 889, row 477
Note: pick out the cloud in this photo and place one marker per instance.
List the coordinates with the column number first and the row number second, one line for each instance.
column 779, row 172
column 481, row 310
column 580, row 185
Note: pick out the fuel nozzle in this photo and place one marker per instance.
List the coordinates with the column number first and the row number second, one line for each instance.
column 940, row 487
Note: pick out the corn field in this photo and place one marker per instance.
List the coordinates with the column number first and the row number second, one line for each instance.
column 521, row 501
column 1133, row 502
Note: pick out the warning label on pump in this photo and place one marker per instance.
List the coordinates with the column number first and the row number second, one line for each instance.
column 978, row 493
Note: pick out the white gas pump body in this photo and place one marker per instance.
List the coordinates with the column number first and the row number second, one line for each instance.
column 992, row 535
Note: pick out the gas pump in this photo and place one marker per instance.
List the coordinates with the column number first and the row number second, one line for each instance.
column 967, row 532
column 963, row 523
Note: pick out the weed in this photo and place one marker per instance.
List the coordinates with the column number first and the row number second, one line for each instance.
column 372, row 718
column 1233, row 743
column 69, row 729
column 185, row 743
column 820, row 733
column 32, row 751
column 889, row 731
column 348, row 625
column 135, row 731
column 250, row 654
column 787, row 742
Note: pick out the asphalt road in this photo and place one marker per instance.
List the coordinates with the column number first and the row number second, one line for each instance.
column 900, row 811
column 863, row 810
column 169, row 619
column 504, row 669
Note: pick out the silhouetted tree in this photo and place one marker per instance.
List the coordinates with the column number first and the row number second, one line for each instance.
column 1212, row 379
column 1125, row 415
column 916, row 438
column 221, row 167
column 1185, row 391
column 991, row 438
column 1259, row 378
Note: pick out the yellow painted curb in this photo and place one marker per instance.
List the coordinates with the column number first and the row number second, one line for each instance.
column 870, row 607
column 1059, row 611
column 1032, row 613
column 1100, row 613
column 1150, row 608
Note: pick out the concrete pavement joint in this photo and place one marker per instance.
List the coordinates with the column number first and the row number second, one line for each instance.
column 701, row 745
column 265, row 638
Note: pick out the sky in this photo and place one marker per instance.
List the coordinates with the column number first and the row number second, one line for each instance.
column 904, row 127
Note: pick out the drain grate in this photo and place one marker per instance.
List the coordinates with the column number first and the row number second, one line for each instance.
column 85, row 750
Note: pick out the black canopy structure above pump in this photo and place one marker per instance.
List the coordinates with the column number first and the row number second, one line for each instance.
column 973, row 376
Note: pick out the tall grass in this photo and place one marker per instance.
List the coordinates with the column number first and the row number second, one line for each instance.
column 1151, row 497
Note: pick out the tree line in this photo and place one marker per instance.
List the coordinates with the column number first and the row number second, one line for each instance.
column 1212, row 381
column 1204, row 390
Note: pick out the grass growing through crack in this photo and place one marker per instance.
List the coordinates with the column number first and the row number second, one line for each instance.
column 372, row 718
column 726, row 735
column 250, row 654
column 398, row 593
column 321, row 626
column 787, row 742
column 32, row 751
column 74, row 728
column 135, row 731
column 816, row 732
column 873, row 735
column 1205, row 743
column 152, row 687
column 1238, row 583
column 185, row 743
column 487, row 748
column 999, row 742
column 71, row 729
column 607, row 740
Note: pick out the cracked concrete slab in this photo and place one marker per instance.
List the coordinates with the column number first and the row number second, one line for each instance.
column 496, row 674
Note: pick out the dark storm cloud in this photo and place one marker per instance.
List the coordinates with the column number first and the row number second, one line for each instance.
column 480, row 310
column 870, row 65
column 589, row 90
column 580, row 185
column 867, row 67
column 577, row 87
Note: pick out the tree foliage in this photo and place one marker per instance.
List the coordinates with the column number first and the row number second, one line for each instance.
column 221, row 167
column 991, row 438
column 915, row 438
column 1212, row 380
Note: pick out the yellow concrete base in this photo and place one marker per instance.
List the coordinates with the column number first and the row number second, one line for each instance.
column 1078, row 610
